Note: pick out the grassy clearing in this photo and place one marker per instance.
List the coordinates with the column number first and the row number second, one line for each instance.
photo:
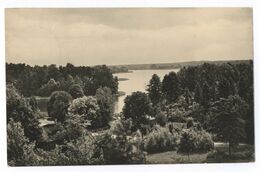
column 172, row 157
column 241, row 154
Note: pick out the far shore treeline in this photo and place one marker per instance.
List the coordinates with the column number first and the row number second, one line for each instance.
column 184, row 113
column 43, row 80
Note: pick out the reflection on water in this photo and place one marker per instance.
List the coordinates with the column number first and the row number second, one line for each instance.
column 138, row 81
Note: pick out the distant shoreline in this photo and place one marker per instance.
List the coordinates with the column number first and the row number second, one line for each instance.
column 123, row 79
column 167, row 66
column 120, row 93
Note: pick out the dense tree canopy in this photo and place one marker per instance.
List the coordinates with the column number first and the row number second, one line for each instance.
column 58, row 105
column 106, row 103
column 154, row 89
column 185, row 112
column 170, row 87
column 138, row 107
column 86, row 108
column 227, row 121
column 76, row 91
column 42, row 80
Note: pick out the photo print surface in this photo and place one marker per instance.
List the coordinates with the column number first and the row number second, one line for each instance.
column 102, row 86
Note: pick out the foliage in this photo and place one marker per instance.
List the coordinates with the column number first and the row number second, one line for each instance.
column 205, row 95
column 155, row 89
column 58, row 104
column 171, row 87
column 138, row 107
column 53, row 157
column 49, row 87
column 120, row 146
column 195, row 141
column 180, row 110
column 244, row 153
column 85, row 109
column 227, row 121
column 23, row 111
column 161, row 118
column 83, row 151
column 160, row 139
column 106, row 103
column 32, row 80
column 190, row 123
column 19, row 149
column 13, row 99
column 76, row 91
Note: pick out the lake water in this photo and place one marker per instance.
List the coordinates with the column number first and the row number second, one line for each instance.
column 137, row 81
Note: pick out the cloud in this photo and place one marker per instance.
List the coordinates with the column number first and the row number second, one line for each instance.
column 120, row 36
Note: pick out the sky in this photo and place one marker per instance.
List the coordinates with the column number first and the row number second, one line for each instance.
column 112, row 36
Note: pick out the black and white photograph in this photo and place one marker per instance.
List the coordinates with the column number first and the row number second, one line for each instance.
column 121, row 86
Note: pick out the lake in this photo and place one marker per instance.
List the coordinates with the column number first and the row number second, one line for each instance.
column 137, row 81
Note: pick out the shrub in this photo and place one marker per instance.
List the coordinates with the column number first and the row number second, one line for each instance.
column 195, row 141
column 119, row 146
column 221, row 155
column 160, row 139
column 161, row 119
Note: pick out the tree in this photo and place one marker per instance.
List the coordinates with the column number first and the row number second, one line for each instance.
column 58, row 104
column 170, row 87
column 155, row 89
column 49, row 87
column 13, row 99
column 226, row 88
column 22, row 111
column 160, row 116
column 20, row 151
column 89, row 88
column 76, row 91
column 186, row 143
column 195, row 141
column 77, row 80
column 227, row 121
column 106, row 103
column 138, row 107
column 120, row 146
column 187, row 96
column 86, row 109
column 205, row 95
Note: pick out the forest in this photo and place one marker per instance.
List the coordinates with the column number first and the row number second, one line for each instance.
column 203, row 113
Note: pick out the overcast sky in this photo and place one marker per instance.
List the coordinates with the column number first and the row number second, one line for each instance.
column 127, row 36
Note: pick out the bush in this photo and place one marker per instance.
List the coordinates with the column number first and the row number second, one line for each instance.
column 159, row 140
column 195, row 141
column 161, row 119
column 119, row 146
column 175, row 113
column 222, row 155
